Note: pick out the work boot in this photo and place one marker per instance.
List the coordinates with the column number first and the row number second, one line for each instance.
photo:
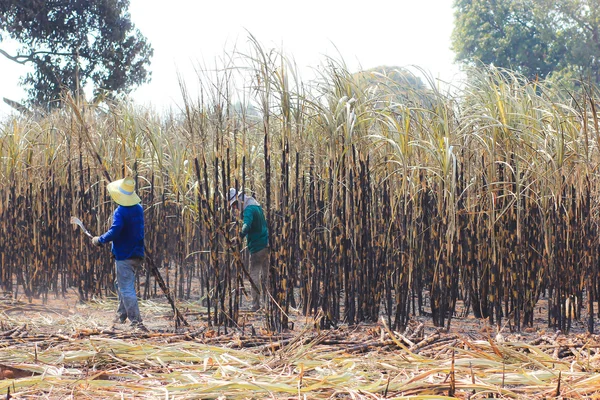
column 120, row 319
column 138, row 326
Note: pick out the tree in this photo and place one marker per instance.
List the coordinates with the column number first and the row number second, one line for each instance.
column 395, row 84
column 533, row 37
column 400, row 76
column 73, row 43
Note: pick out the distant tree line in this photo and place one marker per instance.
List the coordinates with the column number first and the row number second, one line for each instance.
column 537, row 38
column 77, row 44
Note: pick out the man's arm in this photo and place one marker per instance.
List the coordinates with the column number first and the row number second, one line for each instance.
column 248, row 219
column 114, row 230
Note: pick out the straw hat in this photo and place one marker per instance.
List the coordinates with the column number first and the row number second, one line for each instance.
column 123, row 192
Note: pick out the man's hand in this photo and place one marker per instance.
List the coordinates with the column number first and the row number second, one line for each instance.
column 96, row 241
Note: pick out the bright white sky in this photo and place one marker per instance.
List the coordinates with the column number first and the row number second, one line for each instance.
column 186, row 33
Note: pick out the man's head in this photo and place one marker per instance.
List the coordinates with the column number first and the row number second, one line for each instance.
column 123, row 192
column 234, row 197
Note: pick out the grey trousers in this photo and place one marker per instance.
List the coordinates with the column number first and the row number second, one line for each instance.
column 125, row 283
column 259, row 268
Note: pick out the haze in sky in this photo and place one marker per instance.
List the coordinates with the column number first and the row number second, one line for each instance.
column 189, row 33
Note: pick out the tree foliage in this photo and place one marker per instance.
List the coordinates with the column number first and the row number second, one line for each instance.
column 533, row 37
column 404, row 82
column 73, row 43
column 399, row 75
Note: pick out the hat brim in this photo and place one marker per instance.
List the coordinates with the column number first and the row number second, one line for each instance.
column 120, row 198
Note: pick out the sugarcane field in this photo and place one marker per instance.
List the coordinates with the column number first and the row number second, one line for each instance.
column 423, row 242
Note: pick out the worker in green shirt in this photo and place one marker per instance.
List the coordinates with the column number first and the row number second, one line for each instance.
column 257, row 236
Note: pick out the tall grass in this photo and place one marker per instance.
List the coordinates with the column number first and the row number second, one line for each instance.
column 382, row 197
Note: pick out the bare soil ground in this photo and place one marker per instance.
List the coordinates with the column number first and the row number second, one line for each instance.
column 99, row 313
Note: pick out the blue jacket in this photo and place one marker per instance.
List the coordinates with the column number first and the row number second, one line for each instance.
column 126, row 232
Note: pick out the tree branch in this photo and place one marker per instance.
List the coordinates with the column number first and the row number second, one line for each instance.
column 22, row 59
column 14, row 58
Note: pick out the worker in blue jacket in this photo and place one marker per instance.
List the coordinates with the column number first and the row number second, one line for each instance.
column 257, row 236
column 127, row 237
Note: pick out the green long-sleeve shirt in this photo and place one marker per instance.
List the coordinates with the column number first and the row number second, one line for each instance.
column 255, row 227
